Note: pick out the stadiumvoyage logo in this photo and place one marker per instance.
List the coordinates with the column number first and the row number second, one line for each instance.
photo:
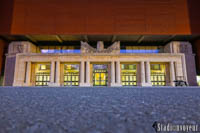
column 169, row 127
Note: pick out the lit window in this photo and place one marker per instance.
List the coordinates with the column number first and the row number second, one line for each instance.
column 155, row 67
column 44, row 51
column 57, row 49
column 42, row 67
column 140, row 49
column 71, row 67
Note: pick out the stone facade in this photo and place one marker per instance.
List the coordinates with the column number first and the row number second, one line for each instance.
column 188, row 59
column 174, row 58
column 13, row 49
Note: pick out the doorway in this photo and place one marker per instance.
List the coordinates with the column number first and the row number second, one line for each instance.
column 71, row 74
column 128, row 74
column 100, row 75
column 42, row 74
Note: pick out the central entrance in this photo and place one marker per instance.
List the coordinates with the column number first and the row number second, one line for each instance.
column 100, row 74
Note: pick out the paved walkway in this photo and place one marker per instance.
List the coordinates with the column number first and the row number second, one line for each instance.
column 95, row 110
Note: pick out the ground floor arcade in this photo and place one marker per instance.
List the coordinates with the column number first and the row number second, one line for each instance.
column 99, row 70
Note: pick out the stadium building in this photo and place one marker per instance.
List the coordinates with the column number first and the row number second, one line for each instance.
column 99, row 43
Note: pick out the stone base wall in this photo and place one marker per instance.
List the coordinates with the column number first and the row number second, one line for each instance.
column 191, row 69
column 188, row 59
column 9, row 70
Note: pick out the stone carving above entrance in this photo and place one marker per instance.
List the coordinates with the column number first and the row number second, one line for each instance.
column 114, row 48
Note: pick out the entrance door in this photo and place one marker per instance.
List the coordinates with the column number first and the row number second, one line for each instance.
column 71, row 74
column 158, row 74
column 42, row 74
column 71, row 79
column 129, row 79
column 100, row 75
column 158, row 79
column 128, row 74
column 42, row 79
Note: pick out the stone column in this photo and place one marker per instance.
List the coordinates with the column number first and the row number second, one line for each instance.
column 112, row 73
column 28, row 74
column 142, row 73
column 52, row 72
column 88, row 73
column 172, row 74
column 82, row 73
column 58, row 73
column 184, row 67
column 118, row 75
column 148, row 74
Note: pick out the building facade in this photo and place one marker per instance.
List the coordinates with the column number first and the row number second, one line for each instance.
column 99, row 43
column 88, row 66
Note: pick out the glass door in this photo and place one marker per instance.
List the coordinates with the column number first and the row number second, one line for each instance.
column 42, row 74
column 71, row 74
column 128, row 74
column 158, row 74
column 100, row 75
column 42, row 79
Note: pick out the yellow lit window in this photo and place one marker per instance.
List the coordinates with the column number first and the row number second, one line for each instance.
column 42, row 67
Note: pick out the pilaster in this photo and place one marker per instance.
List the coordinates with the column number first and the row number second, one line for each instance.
column 148, row 74
column 112, row 73
column 28, row 74
column 52, row 76
column 58, row 73
column 172, row 74
column 87, row 74
column 118, row 74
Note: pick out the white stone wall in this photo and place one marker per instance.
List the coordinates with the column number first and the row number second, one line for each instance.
column 23, row 58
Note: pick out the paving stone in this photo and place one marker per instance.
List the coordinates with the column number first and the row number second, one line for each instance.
column 95, row 110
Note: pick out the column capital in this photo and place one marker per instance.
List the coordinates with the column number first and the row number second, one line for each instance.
column 172, row 61
column 147, row 61
column 118, row 61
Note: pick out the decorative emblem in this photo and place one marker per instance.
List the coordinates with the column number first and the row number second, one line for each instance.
column 20, row 48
